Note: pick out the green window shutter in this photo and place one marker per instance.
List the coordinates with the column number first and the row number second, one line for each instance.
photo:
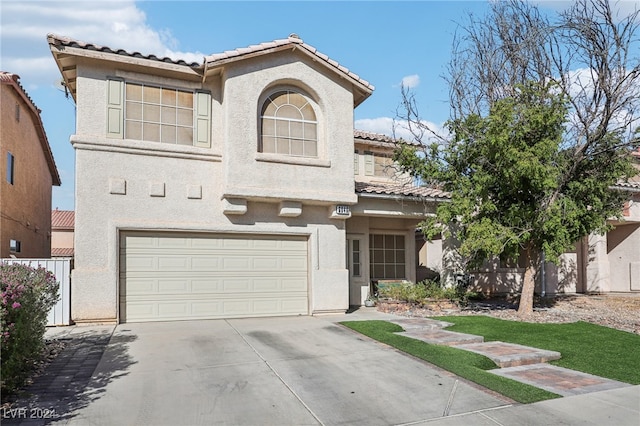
column 203, row 120
column 115, row 109
column 368, row 163
column 356, row 160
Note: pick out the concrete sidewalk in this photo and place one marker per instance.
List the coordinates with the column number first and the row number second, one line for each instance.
column 619, row 407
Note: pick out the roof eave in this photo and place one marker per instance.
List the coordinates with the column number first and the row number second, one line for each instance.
column 361, row 91
column 66, row 58
column 397, row 197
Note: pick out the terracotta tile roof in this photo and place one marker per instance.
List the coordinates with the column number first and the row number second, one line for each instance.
column 62, row 219
column 292, row 41
column 394, row 190
column 61, row 251
column 631, row 183
column 211, row 62
column 13, row 80
column 380, row 138
column 56, row 40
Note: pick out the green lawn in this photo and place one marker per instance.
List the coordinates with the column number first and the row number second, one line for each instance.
column 586, row 347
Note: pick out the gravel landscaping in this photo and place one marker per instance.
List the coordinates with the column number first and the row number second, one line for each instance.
column 621, row 312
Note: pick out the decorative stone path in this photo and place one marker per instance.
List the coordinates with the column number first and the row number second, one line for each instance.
column 521, row 363
column 442, row 337
column 510, row 354
column 558, row 380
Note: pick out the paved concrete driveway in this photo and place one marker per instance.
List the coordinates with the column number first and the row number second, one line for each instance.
column 273, row 371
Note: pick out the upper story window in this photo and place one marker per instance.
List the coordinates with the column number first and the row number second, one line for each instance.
column 158, row 114
column 289, row 125
column 11, row 163
column 15, row 246
column 148, row 112
column 378, row 164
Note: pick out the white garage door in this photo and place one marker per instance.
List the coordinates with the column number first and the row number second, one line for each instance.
column 175, row 276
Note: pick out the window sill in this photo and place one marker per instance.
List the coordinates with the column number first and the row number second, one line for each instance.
column 300, row 161
column 131, row 146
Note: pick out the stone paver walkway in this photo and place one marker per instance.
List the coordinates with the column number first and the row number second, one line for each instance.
column 442, row 337
column 510, row 354
column 517, row 362
column 558, row 380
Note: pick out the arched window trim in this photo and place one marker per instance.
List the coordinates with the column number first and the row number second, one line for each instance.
column 310, row 146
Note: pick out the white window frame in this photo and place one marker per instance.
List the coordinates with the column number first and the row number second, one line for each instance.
column 116, row 110
column 266, row 99
column 385, row 263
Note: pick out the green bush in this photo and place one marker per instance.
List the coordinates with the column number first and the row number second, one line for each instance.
column 427, row 290
column 27, row 296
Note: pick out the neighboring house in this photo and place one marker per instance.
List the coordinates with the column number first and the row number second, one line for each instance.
column 28, row 173
column 226, row 189
column 62, row 227
column 613, row 260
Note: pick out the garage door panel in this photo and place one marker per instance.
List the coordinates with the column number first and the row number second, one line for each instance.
column 236, row 264
column 205, row 263
column 173, row 242
column 140, row 263
column 206, row 286
column 266, row 284
column 235, row 243
column 294, row 264
column 199, row 276
column 174, row 310
column 173, row 286
column 265, row 263
column 293, row 284
column 172, row 263
column 140, row 286
column 236, row 285
column 206, row 243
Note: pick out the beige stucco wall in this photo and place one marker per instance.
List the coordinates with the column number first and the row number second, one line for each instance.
column 327, row 179
column 25, row 205
column 137, row 185
column 62, row 238
column 361, row 227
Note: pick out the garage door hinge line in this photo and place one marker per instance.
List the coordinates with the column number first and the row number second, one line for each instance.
column 276, row 373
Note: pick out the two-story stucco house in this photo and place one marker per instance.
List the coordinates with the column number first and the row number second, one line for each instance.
column 226, row 188
column 28, row 173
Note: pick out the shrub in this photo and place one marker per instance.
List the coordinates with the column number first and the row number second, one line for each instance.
column 27, row 296
column 419, row 293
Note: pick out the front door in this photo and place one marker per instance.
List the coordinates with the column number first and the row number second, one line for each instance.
column 358, row 287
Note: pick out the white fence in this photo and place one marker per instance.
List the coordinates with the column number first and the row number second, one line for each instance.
column 60, row 314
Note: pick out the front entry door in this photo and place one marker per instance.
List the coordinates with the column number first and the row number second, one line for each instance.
column 358, row 287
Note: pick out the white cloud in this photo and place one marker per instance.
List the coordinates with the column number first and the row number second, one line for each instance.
column 411, row 81
column 117, row 24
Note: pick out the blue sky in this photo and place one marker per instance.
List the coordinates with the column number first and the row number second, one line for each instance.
column 383, row 42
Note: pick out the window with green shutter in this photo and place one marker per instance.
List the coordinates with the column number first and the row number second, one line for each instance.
column 147, row 112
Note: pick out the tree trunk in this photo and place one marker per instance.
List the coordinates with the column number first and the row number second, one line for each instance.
column 525, row 306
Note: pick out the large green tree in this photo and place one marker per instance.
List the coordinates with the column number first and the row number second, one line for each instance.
column 542, row 117
column 515, row 190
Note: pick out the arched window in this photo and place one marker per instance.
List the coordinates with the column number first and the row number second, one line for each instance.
column 288, row 125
